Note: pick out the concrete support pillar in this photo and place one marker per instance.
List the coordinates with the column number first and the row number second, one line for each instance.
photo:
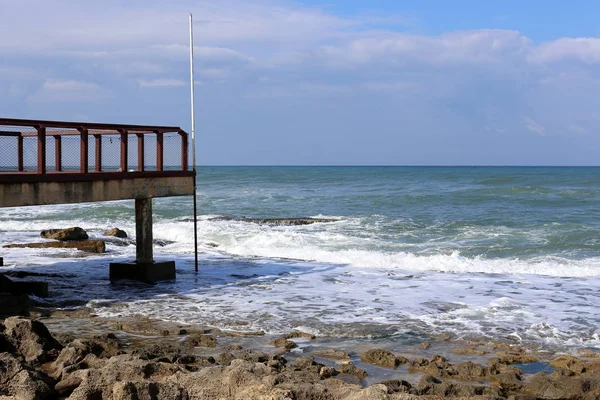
column 143, row 231
column 144, row 268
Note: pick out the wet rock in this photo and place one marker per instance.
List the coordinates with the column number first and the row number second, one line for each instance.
column 351, row 369
column 332, row 354
column 469, row 370
column 116, row 232
column 75, row 233
column 225, row 358
column 470, row 351
column 383, row 358
column 90, row 246
column 31, row 339
column 283, row 343
column 397, row 386
column 516, row 357
column 327, row 372
column 432, row 386
column 298, row 334
column 23, row 382
column 570, row 363
column 160, row 351
column 277, row 221
column 200, row 340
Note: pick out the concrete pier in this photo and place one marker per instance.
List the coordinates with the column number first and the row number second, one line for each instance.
column 144, row 268
column 91, row 177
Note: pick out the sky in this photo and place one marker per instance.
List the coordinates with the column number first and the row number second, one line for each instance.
column 334, row 82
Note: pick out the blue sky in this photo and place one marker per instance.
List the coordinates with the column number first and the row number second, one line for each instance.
column 320, row 83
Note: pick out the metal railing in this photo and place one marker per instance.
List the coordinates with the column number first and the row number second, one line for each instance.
column 35, row 150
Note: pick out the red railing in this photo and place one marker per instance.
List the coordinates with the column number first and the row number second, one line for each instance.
column 35, row 150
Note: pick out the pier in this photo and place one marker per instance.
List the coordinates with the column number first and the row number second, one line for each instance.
column 57, row 162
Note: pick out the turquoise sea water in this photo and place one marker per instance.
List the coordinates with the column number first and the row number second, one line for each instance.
column 500, row 252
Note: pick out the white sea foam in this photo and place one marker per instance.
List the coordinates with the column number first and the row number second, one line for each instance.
column 341, row 279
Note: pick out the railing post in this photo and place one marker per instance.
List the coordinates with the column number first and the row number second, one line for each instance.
column 41, row 148
column 58, row 153
column 20, row 153
column 83, row 151
column 160, row 162
column 140, row 145
column 123, row 150
column 98, row 167
column 184, row 150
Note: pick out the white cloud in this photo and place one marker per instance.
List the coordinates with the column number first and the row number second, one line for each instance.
column 161, row 83
column 586, row 50
column 68, row 85
column 534, row 127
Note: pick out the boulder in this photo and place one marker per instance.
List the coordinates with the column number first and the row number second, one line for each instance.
column 31, row 339
column 383, row 358
column 74, row 233
column 351, row 369
column 23, row 382
column 90, row 246
column 116, row 232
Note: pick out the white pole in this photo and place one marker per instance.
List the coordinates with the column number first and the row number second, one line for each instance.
column 192, row 94
column 193, row 143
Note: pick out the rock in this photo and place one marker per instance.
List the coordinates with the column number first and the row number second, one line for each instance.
column 469, row 370
column 383, row 358
column 332, row 354
column 277, row 221
column 90, row 246
column 22, row 381
column 283, row 343
column 470, row 351
column 397, row 386
column 425, row 345
column 31, row 339
column 147, row 390
column 351, row 369
column 298, row 334
column 570, row 363
column 116, row 232
column 225, row 358
column 95, row 378
column 76, row 351
column 200, row 340
column 74, row 233
column 327, row 372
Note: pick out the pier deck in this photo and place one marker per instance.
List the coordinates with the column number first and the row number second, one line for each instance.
column 57, row 162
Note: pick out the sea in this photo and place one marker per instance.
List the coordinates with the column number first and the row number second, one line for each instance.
column 499, row 253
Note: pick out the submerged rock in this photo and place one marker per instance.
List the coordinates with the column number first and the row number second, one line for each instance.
column 90, row 246
column 75, row 233
column 277, row 221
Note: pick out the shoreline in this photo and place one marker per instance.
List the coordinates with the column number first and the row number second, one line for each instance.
column 311, row 368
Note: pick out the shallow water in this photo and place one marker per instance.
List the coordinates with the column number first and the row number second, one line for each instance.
column 501, row 253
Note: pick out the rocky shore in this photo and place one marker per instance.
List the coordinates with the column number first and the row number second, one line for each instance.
column 190, row 363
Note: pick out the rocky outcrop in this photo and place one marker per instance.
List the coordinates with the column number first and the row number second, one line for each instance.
column 75, row 233
column 383, row 358
column 90, row 246
column 116, row 232
column 277, row 221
